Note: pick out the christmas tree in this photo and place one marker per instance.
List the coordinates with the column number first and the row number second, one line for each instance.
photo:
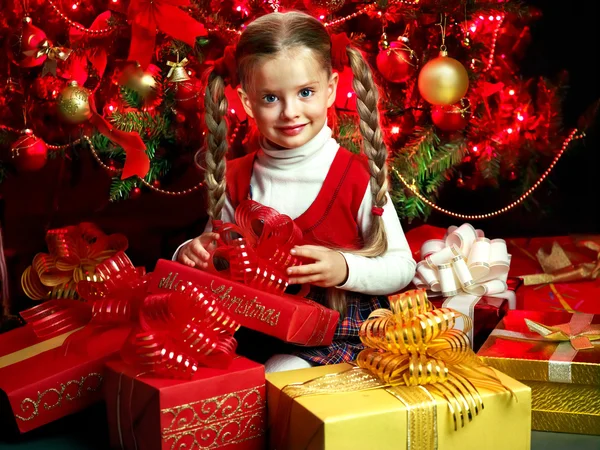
column 123, row 79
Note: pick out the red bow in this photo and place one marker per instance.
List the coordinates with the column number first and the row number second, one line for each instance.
column 339, row 56
column 256, row 251
column 226, row 66
column 172, row 334
column 93, row 52
column 149, row 15
column 137, row 161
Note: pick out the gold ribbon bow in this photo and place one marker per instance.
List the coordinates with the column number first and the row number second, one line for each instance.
column 52, row 54
column 578, row 335
column 558, row 268
column 412, row 348
column 177, row 72
column 74, row 253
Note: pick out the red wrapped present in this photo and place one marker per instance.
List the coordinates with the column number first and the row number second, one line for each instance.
column 54, row 365
column 247, row 273
column 42, row 380
column 184, row 333
column 558, row 355
column 216, row 408
column 560, row 273
column 462, row 269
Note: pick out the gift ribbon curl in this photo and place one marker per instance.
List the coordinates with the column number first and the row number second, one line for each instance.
column 463, row 267
column 256, row 250
column 74, row 253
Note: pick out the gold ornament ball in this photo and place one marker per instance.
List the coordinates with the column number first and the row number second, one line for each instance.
column 143, row 82
column 73, row 104
column 443, row 80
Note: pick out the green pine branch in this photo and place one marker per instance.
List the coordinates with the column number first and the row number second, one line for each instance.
column 146, row 124
column 121, row 189
column 348, row 133
column 131, row 97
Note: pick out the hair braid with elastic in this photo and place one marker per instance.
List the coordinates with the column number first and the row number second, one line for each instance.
column 215, row 105
column 367, row 99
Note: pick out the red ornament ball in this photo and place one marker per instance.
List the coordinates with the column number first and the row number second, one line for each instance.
column 26, row 39
column 29, row 152
column 396, row 63
column 136, row 192
column 450, row 117
column 188, row 94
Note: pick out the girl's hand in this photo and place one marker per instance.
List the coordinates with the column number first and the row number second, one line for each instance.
column 329, row 268
column 195, row 253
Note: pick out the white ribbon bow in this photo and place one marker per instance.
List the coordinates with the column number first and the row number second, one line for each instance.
column 463, row 267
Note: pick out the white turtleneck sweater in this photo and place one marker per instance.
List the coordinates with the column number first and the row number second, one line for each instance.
column 289, row 181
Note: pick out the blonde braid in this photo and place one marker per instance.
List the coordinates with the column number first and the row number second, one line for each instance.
column 367, row 99
column 215, row 105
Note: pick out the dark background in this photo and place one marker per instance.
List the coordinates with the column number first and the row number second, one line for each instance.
column 71, row 191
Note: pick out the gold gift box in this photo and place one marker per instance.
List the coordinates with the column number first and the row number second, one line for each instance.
column 375, row 419
column 565, row 394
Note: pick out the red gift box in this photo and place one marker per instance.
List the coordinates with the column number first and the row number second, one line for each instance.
column 222, row 409
column 487, row 313
column 569, row 296
column 43, row 380
column 290, row 318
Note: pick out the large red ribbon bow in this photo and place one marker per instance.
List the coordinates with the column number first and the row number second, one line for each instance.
column 172, row 334
column 256, row 251
column 92, row 49
column 147, row 16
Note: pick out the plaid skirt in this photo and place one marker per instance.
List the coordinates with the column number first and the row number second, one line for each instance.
column 345, row 345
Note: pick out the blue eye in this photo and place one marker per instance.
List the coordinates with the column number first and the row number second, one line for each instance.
column 305, row 93
column 270, row 98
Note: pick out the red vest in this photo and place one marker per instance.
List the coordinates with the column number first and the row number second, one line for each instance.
column 330, row 220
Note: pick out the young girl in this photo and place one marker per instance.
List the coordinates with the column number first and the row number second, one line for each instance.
column 339, row 200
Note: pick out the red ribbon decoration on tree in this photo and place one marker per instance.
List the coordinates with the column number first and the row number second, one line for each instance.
column 226, row 66
column 256, row 251
column 149, row 15
column 92, row 50
column 339, row 56
column 136, row 159
column 172, row 334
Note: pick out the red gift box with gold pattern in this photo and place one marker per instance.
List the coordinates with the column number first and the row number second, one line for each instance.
column 290, row 318
column 216, row 408
column 560, row 273
column 558, row 355
column 42, row 380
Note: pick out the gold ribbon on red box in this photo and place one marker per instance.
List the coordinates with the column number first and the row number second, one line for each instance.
column 74, row 253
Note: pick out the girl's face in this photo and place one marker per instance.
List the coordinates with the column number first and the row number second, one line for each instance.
column 288, row 98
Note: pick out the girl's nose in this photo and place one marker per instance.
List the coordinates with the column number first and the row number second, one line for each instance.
column 290, row 110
